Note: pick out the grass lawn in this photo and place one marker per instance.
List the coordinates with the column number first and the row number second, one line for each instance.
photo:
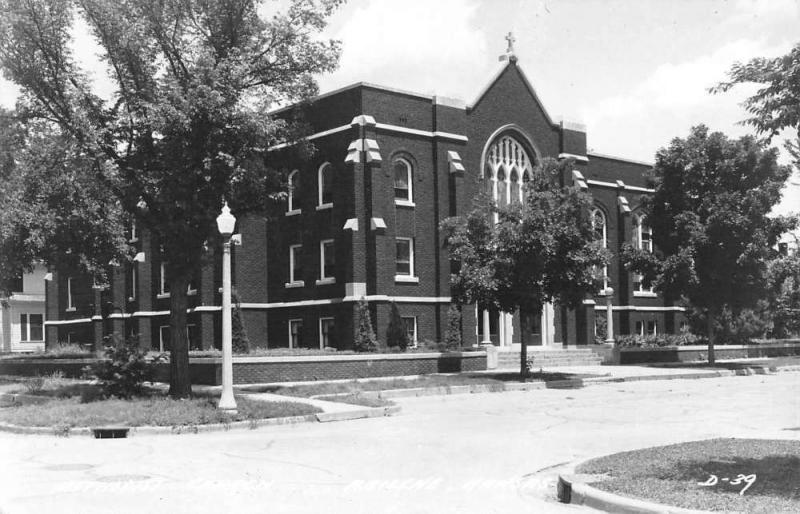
column 156, row 411
column 671, row 475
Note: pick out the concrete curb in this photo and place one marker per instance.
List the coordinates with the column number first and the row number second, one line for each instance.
column 573, row 489
column 321, row 417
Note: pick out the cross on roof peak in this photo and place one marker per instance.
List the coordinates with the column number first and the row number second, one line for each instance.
column 511, row 40
column 509, row 54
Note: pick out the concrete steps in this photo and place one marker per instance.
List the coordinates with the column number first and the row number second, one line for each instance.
column 550, row 358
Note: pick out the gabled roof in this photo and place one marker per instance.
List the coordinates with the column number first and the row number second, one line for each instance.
column 512, row 63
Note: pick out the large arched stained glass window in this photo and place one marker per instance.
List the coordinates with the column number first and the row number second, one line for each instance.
column 507, row 170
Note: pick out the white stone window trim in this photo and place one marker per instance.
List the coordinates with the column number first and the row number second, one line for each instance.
column 321, row 338
column 320, row 204
column 405, row 202
column 325, row 279
column 508, row 154
column 411, row 276
column 645, row 294
column 291, row 199
column 292, row 322
column 134, row 233
column 640, row 228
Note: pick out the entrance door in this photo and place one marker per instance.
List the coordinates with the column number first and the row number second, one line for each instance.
column 532, row 330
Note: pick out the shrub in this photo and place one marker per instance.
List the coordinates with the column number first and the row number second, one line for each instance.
column 365, row 337
column 659, row 340
column 600, row 328
column 453, row 335
column 34, row 384
column 239, row 340
column 124, row 369
column 396, row 334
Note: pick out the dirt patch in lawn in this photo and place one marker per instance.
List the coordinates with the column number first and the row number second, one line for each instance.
column 742, row 475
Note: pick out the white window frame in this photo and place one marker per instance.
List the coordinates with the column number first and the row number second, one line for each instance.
column 409, row 202
column 293, row 280
column 162, row 281
column 414, row 340
column 638, row 227
column 291, row 323
column 411, row 277
column 161, row 337
column 70, row 299
column 25, row 327
column 320, row 204
column 655, row 327
column 134, row 233
column 321, row 339
column 324, row 279
column 292, row 207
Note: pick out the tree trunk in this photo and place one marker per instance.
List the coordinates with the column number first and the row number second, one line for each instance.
column 180, row 385
column 710, row 318
column 524, row 323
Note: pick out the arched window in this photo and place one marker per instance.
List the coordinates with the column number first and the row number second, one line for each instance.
column 325, row 183
column 507, row 161
column 402, row 181
column 600, row 229
column 294, row 190
column 642, row 239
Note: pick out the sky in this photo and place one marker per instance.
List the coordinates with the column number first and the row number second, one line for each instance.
column 635, row 72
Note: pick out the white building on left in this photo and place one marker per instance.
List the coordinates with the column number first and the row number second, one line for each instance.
column 22, row 314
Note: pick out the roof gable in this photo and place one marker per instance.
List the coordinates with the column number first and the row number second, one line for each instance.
column 511, row 71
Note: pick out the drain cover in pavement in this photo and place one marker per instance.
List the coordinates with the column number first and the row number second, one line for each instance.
column 123, row 478
column 69, row 467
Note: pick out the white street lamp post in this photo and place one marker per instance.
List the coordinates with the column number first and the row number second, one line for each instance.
column 609, row 292
column 225, row 223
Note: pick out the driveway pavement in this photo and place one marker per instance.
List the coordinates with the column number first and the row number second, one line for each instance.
column 478, row 453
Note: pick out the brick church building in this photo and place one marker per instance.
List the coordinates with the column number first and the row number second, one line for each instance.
column 362, row 221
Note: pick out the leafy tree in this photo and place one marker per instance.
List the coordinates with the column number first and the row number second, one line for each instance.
column 783, row 280
column 453, row 334
column 187, row 123
column 710, row 222
column 776, row 105
column 396, row 333
column 365, row 337
column 539, row 252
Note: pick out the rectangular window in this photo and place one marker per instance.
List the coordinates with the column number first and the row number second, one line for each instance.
column 295, row 264
column 327, row 260
column 327, row 333
column 295, row 333
column 163, row 282
column 132, row 275
column 164, row 338
column 404, row 259
column 134, row 233
column 70, row 297
column 31, row 327
column 640, row 328
column 651, row 328
column 411, row 329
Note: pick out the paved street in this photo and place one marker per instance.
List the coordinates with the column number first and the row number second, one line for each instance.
column 463, row 453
